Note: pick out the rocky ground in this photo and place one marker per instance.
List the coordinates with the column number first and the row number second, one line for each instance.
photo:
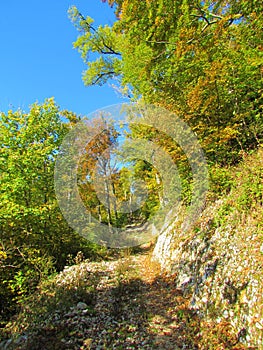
column 122, row 304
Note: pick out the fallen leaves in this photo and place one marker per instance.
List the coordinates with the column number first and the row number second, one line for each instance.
column 129, row 309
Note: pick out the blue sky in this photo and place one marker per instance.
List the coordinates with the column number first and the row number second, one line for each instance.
column 37, row 58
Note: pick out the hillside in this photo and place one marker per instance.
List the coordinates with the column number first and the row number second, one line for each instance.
column 219, row 263
column 203, row 292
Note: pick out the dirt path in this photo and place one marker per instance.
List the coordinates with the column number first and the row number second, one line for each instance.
column 132, row 306
column 168, row 312
column 140, row 309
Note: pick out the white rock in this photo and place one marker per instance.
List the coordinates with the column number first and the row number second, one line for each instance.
column 185, row 280
column 82, row 306
column 259, row 325
column 225, row 313
column 204, row 300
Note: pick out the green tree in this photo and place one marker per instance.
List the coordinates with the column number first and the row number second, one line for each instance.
column 200, row 59
column 34, row 237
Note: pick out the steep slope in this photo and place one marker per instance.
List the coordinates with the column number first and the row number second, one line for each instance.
column 218, row 264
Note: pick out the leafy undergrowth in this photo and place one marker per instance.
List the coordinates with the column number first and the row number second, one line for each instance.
column 123, row 304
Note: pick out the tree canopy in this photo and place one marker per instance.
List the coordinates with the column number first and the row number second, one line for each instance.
column 200, row 59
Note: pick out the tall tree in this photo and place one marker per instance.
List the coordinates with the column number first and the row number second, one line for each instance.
column 200, row 59
column 34, row 237
column 98, row 161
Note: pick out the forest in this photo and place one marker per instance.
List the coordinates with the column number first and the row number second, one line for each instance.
column 201, row 62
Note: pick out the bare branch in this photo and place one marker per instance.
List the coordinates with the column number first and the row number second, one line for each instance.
column 12, row 266
column 215, row 16
column 101, row 75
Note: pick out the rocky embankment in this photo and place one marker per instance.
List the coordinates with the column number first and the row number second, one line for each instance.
column 219, row 266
